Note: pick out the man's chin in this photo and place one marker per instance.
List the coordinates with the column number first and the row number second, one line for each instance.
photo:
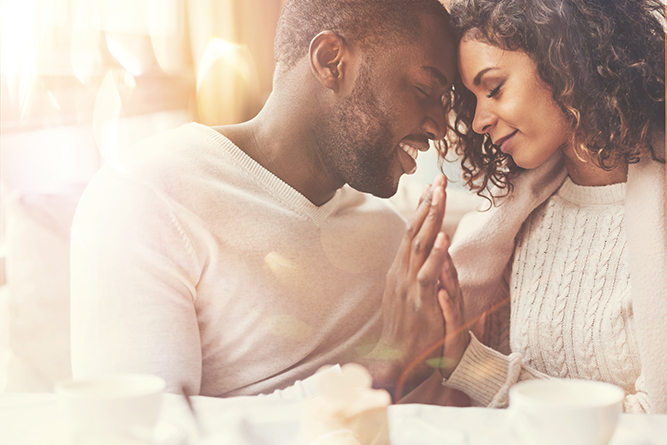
column 386, row 190
column 385, row 195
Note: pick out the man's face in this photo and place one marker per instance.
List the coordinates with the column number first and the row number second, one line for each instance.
column 371, row 137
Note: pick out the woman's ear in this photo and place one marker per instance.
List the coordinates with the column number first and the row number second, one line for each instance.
column 328, row 60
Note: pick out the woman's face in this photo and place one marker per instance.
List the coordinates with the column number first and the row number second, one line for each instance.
column 514, row 106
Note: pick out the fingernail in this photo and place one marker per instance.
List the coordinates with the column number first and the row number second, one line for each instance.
column 440, row 240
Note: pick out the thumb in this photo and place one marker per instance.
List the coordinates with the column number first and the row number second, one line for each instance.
column 446, row 306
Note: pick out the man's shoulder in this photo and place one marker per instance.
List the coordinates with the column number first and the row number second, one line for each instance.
column 181, row 164
column 176, row 148
column 184, row 157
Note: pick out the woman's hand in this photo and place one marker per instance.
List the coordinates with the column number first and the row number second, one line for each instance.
column 412, row 322
column 456, row 332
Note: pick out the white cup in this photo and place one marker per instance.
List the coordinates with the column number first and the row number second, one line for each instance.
column 119, row 409
column 565, row 411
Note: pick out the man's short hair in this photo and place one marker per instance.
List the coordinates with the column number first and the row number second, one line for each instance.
column 369, row 23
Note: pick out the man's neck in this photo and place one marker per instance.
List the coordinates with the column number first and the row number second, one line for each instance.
column 278, row 139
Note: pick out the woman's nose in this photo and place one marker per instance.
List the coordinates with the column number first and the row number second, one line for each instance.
column 483, row 120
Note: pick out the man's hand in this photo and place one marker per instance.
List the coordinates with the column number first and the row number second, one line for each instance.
column 412, row 320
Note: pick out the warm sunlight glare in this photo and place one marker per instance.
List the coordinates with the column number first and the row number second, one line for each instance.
column 19, row 43
column 85, row 41
column 106, row 121
column 232, row 56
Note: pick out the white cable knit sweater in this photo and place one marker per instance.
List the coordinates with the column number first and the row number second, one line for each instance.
column 587, row 285
column 568, row 320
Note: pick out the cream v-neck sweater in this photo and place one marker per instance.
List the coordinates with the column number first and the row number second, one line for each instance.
column 193, row 262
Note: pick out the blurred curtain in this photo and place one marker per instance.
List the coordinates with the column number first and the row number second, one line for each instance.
column 81, row 80
column 223, row 47
column 232, row 51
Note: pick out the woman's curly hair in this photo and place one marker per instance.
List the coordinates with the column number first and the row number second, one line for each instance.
column 603, row 59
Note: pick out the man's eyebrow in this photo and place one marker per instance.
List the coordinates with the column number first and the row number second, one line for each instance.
column 435, row 73
column 478, row 78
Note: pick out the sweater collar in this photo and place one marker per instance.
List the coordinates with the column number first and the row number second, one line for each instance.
column 273, row 184
column 592, row 195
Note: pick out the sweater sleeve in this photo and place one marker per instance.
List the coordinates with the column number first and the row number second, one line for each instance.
column 637, row 402
column 133, row 286
column 487, row 375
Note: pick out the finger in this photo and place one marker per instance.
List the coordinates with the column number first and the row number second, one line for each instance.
column 432, row 225
column 422, row 208
column 427, row 188
column 455, row 340
column 450, row 284
column 445, row 303
column 425, row 201
column 427, row 278
column 403, row 257
column 430, row 272
column 449, row 279
column 451, row 311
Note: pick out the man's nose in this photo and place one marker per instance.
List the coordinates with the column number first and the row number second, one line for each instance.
column 435, row 123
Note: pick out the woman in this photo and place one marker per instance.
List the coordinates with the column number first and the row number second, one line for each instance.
column 565, row 100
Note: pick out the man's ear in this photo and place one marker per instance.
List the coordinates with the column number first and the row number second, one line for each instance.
column 329, row 60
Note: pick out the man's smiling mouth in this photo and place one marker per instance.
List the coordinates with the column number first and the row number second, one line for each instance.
column 409, row 149
column 412, row 146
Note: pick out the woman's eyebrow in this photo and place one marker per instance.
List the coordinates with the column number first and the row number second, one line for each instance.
column 478, row 78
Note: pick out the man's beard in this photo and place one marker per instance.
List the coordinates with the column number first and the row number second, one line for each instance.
column 354, row 141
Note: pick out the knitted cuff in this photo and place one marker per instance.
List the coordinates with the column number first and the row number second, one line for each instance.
column 485, row 374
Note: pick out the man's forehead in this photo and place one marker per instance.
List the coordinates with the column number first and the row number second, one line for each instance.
column 437, row 75
column 439, row 51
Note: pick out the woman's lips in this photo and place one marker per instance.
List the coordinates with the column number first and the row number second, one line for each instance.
column 502, row 143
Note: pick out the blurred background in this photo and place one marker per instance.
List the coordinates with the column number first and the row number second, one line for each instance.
column 82, row 78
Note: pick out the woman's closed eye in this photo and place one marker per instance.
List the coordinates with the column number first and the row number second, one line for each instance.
column 494, row 91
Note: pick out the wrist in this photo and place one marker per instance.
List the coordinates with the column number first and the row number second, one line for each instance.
column 449, row 362
column 446, row 369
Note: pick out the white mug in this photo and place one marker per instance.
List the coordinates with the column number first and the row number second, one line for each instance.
column 111, row 409
column 565, row 411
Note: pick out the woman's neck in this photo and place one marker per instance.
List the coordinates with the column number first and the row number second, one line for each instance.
column 583, row 170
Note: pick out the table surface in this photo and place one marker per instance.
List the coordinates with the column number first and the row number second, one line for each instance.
column 35, row 419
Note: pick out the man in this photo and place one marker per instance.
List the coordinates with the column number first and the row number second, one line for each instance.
column 235, row 260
